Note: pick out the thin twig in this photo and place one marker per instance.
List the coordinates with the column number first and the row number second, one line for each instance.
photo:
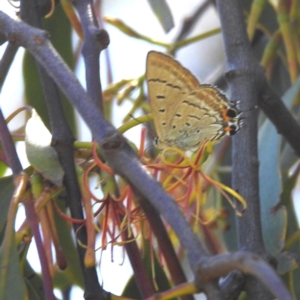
column 246, row 80
column 248, row 263
column 62, row 141
column 15, row 165
column 243, row 77
column 6, row 61
column 117, row 152
column 280, row 116
column 190, row 21
column 95, row 40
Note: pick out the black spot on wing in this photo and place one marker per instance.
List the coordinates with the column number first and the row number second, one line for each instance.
column 164, row 81
column 173, row 86
column 194, row 117
column 191, row 104
column 156, row 80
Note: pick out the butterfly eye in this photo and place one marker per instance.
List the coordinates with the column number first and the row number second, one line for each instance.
column 231, row 113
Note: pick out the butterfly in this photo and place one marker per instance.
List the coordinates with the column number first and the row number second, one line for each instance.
column 186, row 113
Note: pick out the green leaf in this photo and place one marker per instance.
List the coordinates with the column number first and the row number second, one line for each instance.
column 33, row 281
column 60, row 31
column 42, row 156
column 163, row 14
column 6, row 192
column 73, row 273
column 3, row 168
column 11, row 279
column 274, row 222
column 287, row 261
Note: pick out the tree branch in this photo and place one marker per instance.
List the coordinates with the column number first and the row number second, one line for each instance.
column 190, row 21
column 280, row 116
column 246, row 79
column 15, row 165
column 244, row 74
column 95, row 40
column 117, row 152
column 62, row 140
column 124, row 161
column 249, row 263
column 115, row 149
column 6, row 61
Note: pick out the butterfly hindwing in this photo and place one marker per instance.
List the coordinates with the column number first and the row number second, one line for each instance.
column 197, row 119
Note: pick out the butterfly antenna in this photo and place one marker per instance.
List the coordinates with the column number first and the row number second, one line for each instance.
column 236, row 104
column 252, row 108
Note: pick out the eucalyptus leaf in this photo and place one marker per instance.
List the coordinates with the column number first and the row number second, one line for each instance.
column 163, row 14
column 34, row 283
column 11, row 280
column 42, row 156
column 274, row 221
column 6, row 191
column 10, row 271
column 287, row 261
column 60, row 29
